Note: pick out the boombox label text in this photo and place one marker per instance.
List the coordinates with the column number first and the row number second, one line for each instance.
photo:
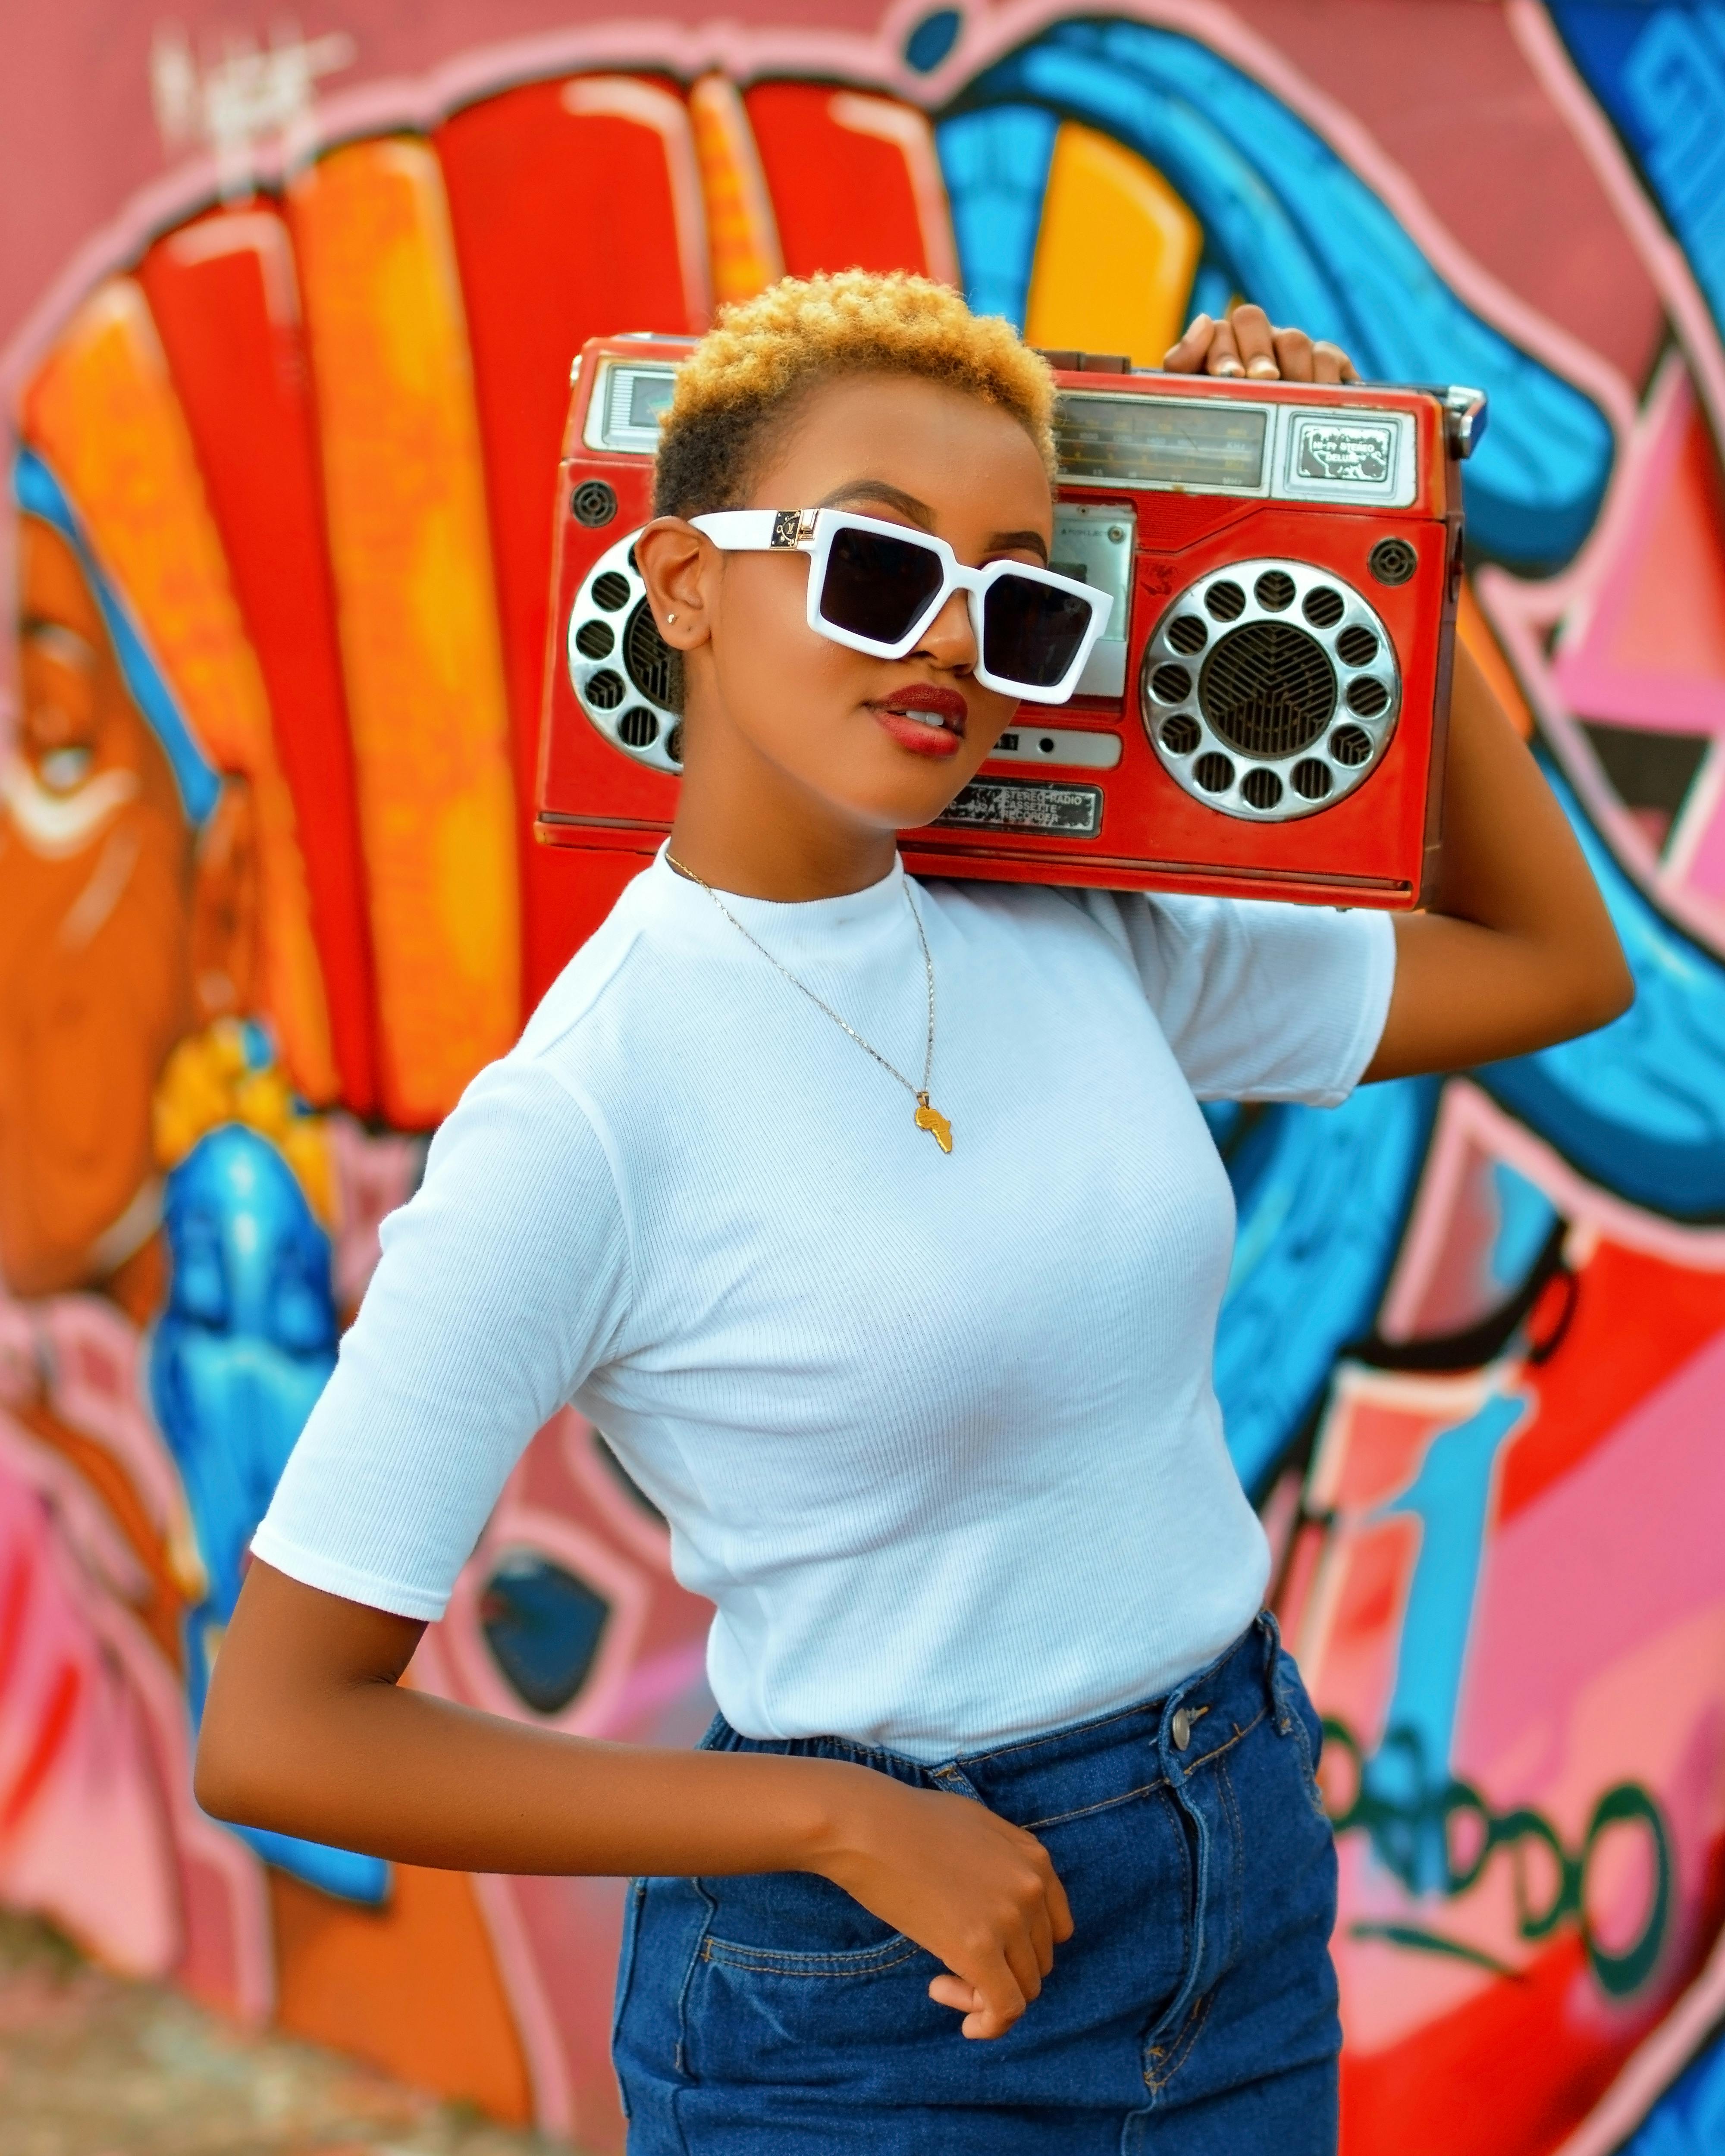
column 1021, row 804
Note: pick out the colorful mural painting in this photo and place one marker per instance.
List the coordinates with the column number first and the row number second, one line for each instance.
column 282, row 469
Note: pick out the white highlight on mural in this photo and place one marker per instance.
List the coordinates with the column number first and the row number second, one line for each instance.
column 245, row 94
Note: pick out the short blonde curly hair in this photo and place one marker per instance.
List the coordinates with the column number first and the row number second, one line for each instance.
column 762, row 354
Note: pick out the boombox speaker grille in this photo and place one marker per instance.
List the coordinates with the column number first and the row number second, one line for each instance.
column 1267, row 689
column 1294, row 701
column 654, row 667
column 629, row 679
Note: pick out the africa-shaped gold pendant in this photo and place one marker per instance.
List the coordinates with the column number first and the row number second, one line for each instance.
column 930, row 1119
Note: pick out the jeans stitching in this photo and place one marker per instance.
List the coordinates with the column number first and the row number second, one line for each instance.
column 1227, row 1746
column 1225, row 1783
column 1106, row 1804
column 775, row 1961
column 1303, row 1753
column 687, row 1984
column 1181, row 2050
column 626, row 1965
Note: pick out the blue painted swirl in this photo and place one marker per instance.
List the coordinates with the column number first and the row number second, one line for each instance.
column 1289, row 225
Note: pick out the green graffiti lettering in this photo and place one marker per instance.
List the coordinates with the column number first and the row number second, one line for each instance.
column 1437, row 1830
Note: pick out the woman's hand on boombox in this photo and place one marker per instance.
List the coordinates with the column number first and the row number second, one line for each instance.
column 1247, row 343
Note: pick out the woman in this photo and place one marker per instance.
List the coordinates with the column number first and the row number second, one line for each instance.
column 921, row 1383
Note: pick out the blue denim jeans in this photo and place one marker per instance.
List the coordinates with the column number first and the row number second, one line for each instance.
column 1193, row 2010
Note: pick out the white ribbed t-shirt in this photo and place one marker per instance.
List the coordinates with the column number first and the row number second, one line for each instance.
column 936, row 1434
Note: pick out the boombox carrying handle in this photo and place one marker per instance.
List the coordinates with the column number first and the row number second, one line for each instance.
column 1464, row 413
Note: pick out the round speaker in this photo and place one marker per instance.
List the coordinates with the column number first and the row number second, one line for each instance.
column 629, row 679
column 1267, row 689
column 1289, row 650
column 1391, row 560
column 593, row 503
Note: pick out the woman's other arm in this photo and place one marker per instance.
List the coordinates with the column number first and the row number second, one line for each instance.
column 309, row 1731
column 1516, row 949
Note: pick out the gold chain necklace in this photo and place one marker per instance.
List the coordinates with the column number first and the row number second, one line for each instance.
column 928, row 1117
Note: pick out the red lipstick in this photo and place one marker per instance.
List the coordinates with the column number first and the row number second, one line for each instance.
column 926, row 720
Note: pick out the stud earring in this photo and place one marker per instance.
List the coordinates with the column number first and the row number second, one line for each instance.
column 668, row 619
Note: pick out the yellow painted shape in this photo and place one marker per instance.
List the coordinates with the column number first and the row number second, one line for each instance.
column 1116, row 254
column 742, row 234
column 103, row 412
column 410, row 549
column 208, row 1082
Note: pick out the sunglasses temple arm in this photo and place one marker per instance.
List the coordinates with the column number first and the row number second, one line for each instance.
column 742, row 531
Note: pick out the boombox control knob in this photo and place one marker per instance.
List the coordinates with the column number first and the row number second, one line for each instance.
column 1269, row 690
column 627, row 679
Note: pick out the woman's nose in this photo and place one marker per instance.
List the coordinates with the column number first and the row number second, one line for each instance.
column 949, row 641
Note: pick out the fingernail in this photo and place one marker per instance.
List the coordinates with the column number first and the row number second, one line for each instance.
column 1196, row 322
column 1263, row 369
column 1229, row 367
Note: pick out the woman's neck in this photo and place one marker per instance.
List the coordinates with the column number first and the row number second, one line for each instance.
column 759, row 834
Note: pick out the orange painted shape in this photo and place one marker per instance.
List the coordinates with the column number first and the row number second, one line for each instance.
column 103, row 412
column 412, row 1987
column 404, row 490
column 854, row 181
column 741, row 230
column 1482, row 647
column 576, row 212
column 1673, row 616
column 226, row 302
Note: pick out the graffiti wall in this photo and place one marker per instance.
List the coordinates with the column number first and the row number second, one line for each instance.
column 283, row 441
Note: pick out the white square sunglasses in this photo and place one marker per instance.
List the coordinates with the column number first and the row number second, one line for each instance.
column 875, row 588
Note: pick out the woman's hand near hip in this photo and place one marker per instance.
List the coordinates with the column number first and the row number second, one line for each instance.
column 308, row 1730
column 980, row 1893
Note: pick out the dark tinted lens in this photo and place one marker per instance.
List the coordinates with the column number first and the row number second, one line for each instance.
column 876, row 587
column 1031, row 632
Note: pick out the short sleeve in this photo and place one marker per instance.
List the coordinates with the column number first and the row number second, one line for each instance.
column 1260, row 1001
column 502, row 1283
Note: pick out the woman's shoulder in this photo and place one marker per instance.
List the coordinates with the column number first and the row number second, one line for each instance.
column 597, row 970
column 1037, row 911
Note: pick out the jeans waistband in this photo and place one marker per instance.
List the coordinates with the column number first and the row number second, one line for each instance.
column 1170, row 1736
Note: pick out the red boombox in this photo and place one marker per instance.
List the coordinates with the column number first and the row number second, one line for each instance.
column 1265, row 715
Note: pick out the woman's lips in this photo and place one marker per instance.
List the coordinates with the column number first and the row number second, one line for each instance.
column 928, row 720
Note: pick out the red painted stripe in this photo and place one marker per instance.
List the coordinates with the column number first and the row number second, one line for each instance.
column 50, row 1741
column 225, row 298
column 843, row 199
column 18, row 1582
column 565, row 229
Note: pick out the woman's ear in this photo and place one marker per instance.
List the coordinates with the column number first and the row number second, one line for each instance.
column 678, row 568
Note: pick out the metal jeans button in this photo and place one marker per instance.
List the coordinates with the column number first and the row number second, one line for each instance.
column 1180, row 1729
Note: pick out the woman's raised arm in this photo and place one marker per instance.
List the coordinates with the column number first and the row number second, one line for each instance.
column 1516, row 949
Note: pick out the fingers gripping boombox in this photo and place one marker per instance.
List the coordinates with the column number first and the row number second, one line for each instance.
column 1265, row 715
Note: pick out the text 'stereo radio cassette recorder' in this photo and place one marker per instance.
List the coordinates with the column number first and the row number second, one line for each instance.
column 1264, row 714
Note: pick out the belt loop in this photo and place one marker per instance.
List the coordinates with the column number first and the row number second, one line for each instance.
column 1279, row 1698
column 954, row 1781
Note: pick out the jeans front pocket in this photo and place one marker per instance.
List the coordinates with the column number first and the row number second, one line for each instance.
column 793, row 1977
